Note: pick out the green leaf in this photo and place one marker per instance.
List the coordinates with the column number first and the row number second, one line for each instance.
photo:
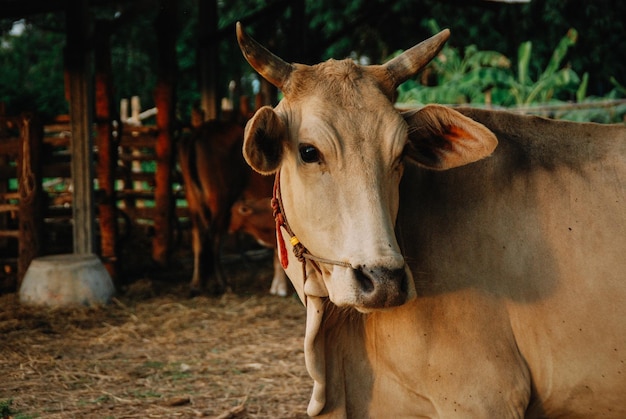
column 560, row 52
column 523, row 62
column 618, row 86
column 544, row 89
column 581, row 92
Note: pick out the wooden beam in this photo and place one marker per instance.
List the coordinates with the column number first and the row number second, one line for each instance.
column 206, row 58
column 81, row 146
column 107, row 148
column 166, row 26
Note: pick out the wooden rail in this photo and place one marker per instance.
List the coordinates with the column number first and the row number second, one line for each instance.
column 20, row 209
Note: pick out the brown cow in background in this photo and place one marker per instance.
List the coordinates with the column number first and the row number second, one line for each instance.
column 254, row 216
column 215, row 176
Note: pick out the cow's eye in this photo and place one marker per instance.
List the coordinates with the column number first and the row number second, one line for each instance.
column 309, row 154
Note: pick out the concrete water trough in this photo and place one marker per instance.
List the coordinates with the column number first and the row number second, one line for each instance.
column 67, row 279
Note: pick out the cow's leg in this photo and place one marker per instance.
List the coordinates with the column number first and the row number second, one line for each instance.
column 280, row 284
column 218, row 283
column 196, row 245
column 203, row 259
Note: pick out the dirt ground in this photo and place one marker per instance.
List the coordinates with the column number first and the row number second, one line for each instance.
column 153, row 352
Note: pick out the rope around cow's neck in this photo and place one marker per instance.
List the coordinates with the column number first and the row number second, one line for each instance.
column 299, row 250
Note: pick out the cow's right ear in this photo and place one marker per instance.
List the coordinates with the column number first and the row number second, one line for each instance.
column 264, row 140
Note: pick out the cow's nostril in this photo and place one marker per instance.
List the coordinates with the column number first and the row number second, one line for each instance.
column 381, row 286
column 365, row 281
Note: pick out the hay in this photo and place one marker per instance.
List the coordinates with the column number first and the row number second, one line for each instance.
column 155, row 353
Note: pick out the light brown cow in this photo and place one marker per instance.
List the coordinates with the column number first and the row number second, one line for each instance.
column 435, row 287
column 215, row 176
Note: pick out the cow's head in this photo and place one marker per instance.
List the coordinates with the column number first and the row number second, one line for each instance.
column 340, row 146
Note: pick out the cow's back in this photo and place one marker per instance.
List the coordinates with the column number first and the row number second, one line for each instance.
column 539, row 230
column 213, row 168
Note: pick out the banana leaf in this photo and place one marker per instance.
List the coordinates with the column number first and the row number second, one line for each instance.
column 560, row 52
column 523, row 62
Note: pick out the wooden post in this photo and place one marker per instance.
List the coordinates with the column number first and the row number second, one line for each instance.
column 135, row 165
column 166, row 26
column 207, row 58
column 123, row 110
column 107, row 150
column 135, row 110
column 3, row 184
column 76, row 62
column 29, row 189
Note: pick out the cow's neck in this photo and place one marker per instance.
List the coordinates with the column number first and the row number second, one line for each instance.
column 406, row 362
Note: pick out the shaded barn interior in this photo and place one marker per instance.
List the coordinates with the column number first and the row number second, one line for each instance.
column 97, row 180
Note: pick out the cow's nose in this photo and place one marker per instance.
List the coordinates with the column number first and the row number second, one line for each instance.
column 381, row 287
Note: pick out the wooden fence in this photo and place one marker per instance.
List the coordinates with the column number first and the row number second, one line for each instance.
column 36, row 216
column 36, row 189
column 20, row 198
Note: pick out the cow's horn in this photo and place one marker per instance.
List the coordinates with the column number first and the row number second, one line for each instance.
column 411, row 61
column 268, row 65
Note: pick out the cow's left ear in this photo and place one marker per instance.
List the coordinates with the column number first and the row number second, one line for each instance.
column 441, row 138
column 264, row 140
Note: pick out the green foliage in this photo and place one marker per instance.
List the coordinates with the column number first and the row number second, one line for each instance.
column 479, row 77
column 5, row 408
column 134, row 61
column 475, row 76
column 608, row 109
column 460, row 77
column 469, row 70
column 7, row 412
column 32, row 72
column 552, row 82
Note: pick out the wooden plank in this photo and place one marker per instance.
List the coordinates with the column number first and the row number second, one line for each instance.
column 10, row 233
column 147, row 141
column 9, row 207
column 57, row 142
column 126, row 157
column 10, row 145
column 10, row 195
column 56, row 128
column 139, row 130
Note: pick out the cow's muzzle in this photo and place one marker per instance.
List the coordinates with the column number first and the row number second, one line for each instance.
column 381, row 287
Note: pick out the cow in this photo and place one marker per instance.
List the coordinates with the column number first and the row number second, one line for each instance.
column 453, row 263
column 215, row 175
column 254, row 216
